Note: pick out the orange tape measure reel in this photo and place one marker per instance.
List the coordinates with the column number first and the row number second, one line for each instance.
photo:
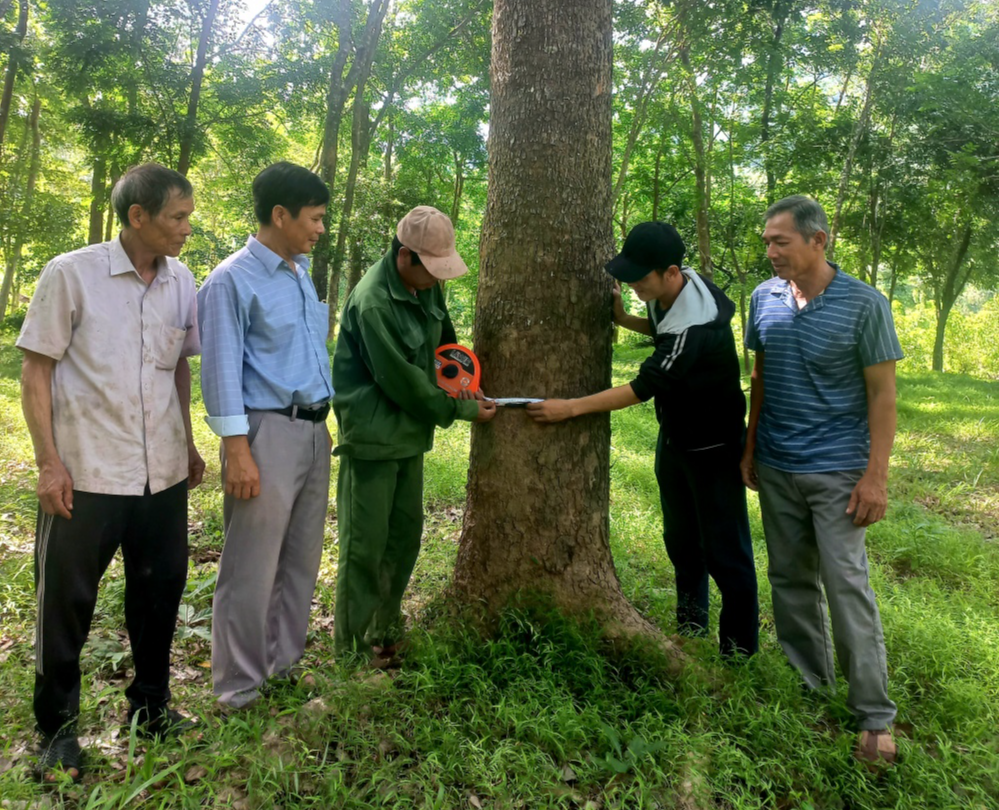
column 457, row 369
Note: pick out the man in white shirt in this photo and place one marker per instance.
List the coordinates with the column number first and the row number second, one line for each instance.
column 106, row 394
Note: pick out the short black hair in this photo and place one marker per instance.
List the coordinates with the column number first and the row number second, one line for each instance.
column 148, row 186
column 396, row 245
column 290, row 186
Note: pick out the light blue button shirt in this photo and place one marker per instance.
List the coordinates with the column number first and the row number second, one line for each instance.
column 263, row 338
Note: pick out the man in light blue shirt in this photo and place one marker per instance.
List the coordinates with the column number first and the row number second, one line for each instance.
column 265, row 378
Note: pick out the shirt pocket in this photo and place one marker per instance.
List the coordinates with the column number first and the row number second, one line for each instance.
column 824, row 349
column 317, row 317
column 169, row 344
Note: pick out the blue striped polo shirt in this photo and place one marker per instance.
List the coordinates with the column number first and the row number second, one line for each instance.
column 814, row 414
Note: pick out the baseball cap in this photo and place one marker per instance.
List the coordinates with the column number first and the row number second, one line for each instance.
column 430, row 234
column 649, row 246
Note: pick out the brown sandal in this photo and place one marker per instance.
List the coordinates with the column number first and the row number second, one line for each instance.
column 876, row 749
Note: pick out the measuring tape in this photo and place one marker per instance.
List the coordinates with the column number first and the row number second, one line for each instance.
column 457, row 369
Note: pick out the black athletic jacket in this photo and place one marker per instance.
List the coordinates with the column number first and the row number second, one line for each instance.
column 694, row 376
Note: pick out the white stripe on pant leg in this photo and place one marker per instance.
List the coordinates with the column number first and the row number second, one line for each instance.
column 43, row 547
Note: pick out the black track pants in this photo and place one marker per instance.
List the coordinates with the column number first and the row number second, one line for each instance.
column 71, row 556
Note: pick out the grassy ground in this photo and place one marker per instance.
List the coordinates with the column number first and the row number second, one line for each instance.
column 541, row 717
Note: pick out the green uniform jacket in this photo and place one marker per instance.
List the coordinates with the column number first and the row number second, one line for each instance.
column 387, row 402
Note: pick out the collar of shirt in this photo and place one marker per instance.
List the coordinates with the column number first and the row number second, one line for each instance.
column 836, row 288
column 271, row 261
column 121, row 264
column 400, row 292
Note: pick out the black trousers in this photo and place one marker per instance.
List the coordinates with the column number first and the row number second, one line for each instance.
column 706, row 532
column 71, row 556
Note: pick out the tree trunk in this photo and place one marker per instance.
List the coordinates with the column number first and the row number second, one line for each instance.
column 189, row 128
column 360, row 142
column 356, row 266
column 702, row 200
column 458, row 190
column 949, row 288
column 97, row 193
column 938, row 339
column 13, row 62
column 546, row 232
column 336, row 97
column 15, row 254
column 858, row 134
column 775, row 61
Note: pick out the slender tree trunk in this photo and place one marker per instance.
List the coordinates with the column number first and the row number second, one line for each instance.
column 894, row 277
column 10, row 270
column 356, row 266
column 775, row 62
column 13, row 63
column 97, row 193
column 652, row 75
column 390, row 219
column 189, row 128
column 336, row 98
column 547, row 229
column 360, row 142
column 458, row 190
column 701, row 173
column 943, row 313
column 948, row 290
column 859, row 131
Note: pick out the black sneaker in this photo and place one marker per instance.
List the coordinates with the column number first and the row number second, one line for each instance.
column 164, row 722
column 57, row 755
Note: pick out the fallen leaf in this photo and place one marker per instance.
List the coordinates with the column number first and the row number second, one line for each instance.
column 194, row 773
column 474, row 801
column 568, row 774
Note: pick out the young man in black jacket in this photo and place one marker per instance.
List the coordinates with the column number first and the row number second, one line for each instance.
column 694, row 376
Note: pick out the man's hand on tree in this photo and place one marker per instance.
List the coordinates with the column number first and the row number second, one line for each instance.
column 550, row 410
column 619, row 313
column 55, row 489
column 869, row 500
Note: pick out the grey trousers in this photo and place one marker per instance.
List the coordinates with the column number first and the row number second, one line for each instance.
column 813, row 546
column 270, row 560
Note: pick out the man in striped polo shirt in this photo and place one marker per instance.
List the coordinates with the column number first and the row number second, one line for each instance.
column 821, row 427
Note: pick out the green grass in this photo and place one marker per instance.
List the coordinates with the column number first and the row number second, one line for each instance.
column 544, row 715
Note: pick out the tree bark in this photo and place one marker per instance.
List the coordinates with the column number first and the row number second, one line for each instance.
column 336, row 98
column 947, row 289
column 858, row 134
column 97, row 194
column 360, row 142
column 537, row 509
column 775, row 61
column 189, row 128
column 10, row 270
column 702, row 201
column 13, row 63
column 356, row 267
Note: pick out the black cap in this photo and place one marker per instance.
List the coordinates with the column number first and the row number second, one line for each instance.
column 649, row 246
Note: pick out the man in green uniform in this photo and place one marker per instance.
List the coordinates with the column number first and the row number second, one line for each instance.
column 387, row 405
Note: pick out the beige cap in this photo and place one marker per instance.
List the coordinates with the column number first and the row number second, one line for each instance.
column 430, row 234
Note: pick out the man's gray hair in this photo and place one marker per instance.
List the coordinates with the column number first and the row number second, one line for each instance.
column 809, row 217
column 149, row 186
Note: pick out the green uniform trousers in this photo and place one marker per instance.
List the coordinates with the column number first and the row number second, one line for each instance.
column 380, row 520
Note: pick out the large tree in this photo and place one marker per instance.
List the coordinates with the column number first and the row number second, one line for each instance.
column 537, row 511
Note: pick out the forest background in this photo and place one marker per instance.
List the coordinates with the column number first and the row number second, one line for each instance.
column 886, row 110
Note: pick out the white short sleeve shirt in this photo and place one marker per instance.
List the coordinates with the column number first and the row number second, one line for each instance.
column 116, row 414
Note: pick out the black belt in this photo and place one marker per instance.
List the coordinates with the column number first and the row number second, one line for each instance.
column 308, row 414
